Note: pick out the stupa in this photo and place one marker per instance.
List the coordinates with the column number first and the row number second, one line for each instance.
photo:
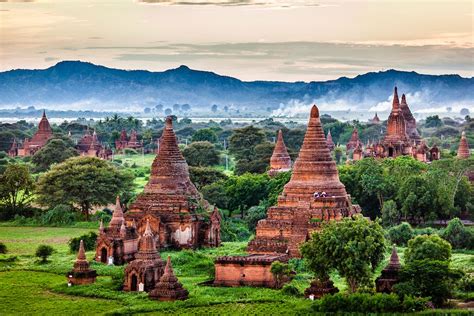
column 389, row 277
column 463, row 149
column 168, row 288
column 354, row 141
column 313, row 194
column 280, row 160
column 410, row 121
column 331, row 144
column 375, row 119
column 39, row 139
column 118, row 243
column 318, row 288
column 123, row 142
column 81, row 273
column 147, row 267
column 179, row 217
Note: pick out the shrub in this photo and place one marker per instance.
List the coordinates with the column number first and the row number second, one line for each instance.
column 390, row 214
column 430, row 247
column 281, row 272
column 290, row 289
column 400, row 234
column 105, row 216
column 60, row 215
column 425, row 231
column 43, row 252
column 3, row 248
column 368, row 303
column 88, row 239
column 130, row 151
column 254, row 214
column 458, row 235
column 234, row 229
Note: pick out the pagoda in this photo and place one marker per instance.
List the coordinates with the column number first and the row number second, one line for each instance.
column 179, row 217
column 39, row 139
column 463, row 150
column 124, row 142
column 81, row 273
column 147, row 267
column 354, row 141
column 280, row 160
column 329, row 141
column 390, row 274
column 313, row 194
column 13, row 151
column 118, row 243
column 410, row 121
column 168, row 288
column 396, row 140
column 375, row 120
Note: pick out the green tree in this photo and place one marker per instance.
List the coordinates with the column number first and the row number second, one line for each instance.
column 201, row 154
column 55, row 151
column 245, row 191
column 215, row 193
column 16, row 188
column 43, row 252
column 430, row 247
column 243, row 141
column 390, row 214
column 433, row 121
column 401, row 234
column 205, row 176
column 281, row 272
column 259, row 162
column 83, row 181
column 458, row 235
column 205, row 135
column 417, row 198
column 352, row 247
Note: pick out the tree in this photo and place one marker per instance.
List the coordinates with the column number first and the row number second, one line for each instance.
column 430, row 247
column 243, row 141
column 401, row 234
column 215, row 193
column 246, row 191
column 458, row 235
column 390, row 214
column 281, row 272
column 204, row 135
column 352, row 247
column 83, row 181
column 201, row 154
column 259, row 162
column 416, row 197
column 205, row 176
column 55, row 151
column 433, row 121
column 16, row 188
column 43, row 252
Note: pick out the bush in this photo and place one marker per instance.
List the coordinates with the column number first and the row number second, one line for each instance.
column 234, row 229
column 105, row 216
column 458, row 235
column 60, row 215
column 368, row 303
column 430, row 247
column 290, row 289
column 88, row 239
column 3, row 248
column 43, row 252
column 281, row 272
column 390, row 214
column 254, row 214
column 425, row 231
column 130, row 151
column 400, row 234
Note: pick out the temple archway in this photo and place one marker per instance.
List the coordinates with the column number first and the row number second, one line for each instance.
column 390, row 151
column 103, row 255
column 133, row 283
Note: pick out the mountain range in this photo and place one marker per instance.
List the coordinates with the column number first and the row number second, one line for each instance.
column 83, row 86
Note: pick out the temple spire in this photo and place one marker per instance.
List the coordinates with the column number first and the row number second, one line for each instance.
column 82, row 253
column 463, row 149
column 117, row 216
column 394, row 259
column 280, row 160
column 396, row 101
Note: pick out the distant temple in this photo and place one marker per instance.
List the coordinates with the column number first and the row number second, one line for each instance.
column 390, row 274
column 375, row 120
column 463, row 150
column 124, row 142
column 329, row 141
column 81, row 273
column 313, row 195
column 90, row 146
column 354, row 141
column 280, row 160
column 39, row 139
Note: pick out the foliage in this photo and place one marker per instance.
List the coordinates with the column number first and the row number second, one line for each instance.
column 55, row 151
column 401, row 234
column 368, row 303
column 245, row 191
column 83, row 181
column 201, row 154
column 290, row 289
column 244, row 145
column 205, row 135
column 352, row 247
column 430, row 247
column 276, row 185
column 280, row 272
column 254, row 214
column 234, row 229
column 43, row 252
column 433, row 121
column 16, row 189
column 3, row 248
column 60, row 215
column 202, row 176
column 416, row 198
column 458, row 235
column 89, row 241
column 215, row 193
column 390, row 214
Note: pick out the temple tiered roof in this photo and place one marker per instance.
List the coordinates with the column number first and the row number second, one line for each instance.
column 354, row 141
column 81, row 273
column 396, row 126
column 463, row 149
column 280, row 160
column 169, row 288
column 410, row 121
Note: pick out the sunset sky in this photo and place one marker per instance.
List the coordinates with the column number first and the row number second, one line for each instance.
column 248, row 39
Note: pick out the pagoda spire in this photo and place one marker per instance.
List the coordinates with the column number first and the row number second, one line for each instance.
column 396, row 101
column 463, row 149
column 280, row 160
column 82, row 253
column 330, row 141
column 394, row 259
column 117, row 216
column 169, row 288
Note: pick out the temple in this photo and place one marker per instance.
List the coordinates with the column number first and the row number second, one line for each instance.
column 118, row 243
column 168, row 288
column 329, row 141
column 179, row 217
column 463, row 149
column 375, row 119
column 81, row 273
column 390, row 274
column 354, row 141
column 39, row 139
column 280, row 160
column 142, row 273
column 313, row 195
column 124, row 142
column 90, row 146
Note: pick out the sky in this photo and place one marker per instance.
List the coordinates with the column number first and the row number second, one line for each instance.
column 248, row 39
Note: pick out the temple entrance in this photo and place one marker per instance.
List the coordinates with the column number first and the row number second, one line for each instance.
column 133, row 283
column 390, row 152
column 103, row 255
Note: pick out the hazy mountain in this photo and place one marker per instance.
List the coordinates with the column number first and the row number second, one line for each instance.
column 81, row 85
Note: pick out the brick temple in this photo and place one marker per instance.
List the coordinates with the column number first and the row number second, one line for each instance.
column 354, row 141
column 313, row 195
column 90, row 146
column 463, row 149
column 179, row 217
column 280, row 160
column 39, row 139
column 330, row 142
column 124, row 142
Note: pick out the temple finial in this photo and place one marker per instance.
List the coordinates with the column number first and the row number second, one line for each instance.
column 314, row 111
column 82, row 253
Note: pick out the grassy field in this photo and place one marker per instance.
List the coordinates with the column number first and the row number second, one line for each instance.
column 28, row 287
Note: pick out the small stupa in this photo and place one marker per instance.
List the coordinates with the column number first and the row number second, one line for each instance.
column 318, row 288
column 168, row 288
column 390, row 274
column 354, row 141
column 331, row 144
column 280, row 160
column 463, row 150
column 81, row 273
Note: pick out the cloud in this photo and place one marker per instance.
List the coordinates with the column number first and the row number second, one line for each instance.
column 235, row 3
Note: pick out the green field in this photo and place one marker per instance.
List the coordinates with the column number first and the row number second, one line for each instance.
column 28, row 287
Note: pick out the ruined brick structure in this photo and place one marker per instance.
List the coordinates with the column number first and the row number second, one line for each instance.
column 463, row 149
column 390, row 274
column 39, row 139
column 124, row 142
column 179, row 217
column 81, row 273
column 375, row 119
column 168, row 288
column 280, row 160
column 147, row 267
column 313, row 194
column 90, row 146
column 354, row 141
column 329, row 141
column 318, row 288
column 118, row 243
